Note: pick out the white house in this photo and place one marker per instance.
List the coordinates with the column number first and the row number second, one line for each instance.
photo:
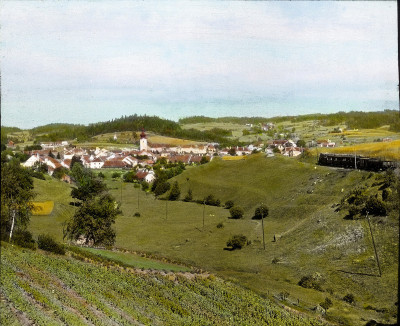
column 31, row 161
column 97, row 163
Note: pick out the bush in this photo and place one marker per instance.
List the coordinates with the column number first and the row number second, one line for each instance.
column 101, row 175
column 386, row 194
column 115, row 175
column 24, row 239
column 175, row 192
column 145, row 185
column 137, row 214
column 237, row 241
column 47, row 242
column 220, row 225
column 275, row 260
column 349, row 298
column 210, row 200
column 189, row 196
column 236, row 212
column 311, row 282
column 375, row 206
column 129, row 176
column 326, row 304
column 162, row 188
column 229, row 204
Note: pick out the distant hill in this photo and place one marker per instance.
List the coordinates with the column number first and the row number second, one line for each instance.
column 353, row 119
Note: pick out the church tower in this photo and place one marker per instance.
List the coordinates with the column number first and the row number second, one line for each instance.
column 143, row 141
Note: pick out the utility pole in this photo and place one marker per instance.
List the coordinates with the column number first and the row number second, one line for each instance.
column 262, row 224
column 373, row 243
column 166, row 209
column 204, row 208
column 138, row 200
column 355, row 161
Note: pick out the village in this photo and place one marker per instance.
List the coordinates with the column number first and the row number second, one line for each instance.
column 60, row 155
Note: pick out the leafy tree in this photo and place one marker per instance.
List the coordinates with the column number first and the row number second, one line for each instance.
column 115, row 175
column 162, row 188
column 93, row 221
column 129, row 176
column 301, row 143
column 236, row 212
column 59, row 172
column 58, row 156
column 204, row 160
column 101, row 175
column 51, row 154
column 260, row 212
column 145, row 185
column 87, row 184
column 175, row 192
column 189, row 196
column 212, row 201
column 23, row 238
column 16, row 195
column 237, row 241
column 232, row 151
column 75, row 160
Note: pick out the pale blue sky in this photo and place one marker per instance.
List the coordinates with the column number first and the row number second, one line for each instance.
column 83, row 62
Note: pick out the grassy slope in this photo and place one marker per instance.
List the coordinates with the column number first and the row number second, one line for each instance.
column 312, row 237
column 46, row 289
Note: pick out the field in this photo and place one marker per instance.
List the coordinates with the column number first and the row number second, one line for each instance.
column 42, row 208
column 311, row 236
column 384, row 150
column 45, row 289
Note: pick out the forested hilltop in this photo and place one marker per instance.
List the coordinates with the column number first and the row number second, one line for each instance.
column 353, row 119
column 53, row 132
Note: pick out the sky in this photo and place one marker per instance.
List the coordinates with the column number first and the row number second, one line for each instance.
column 89, row 61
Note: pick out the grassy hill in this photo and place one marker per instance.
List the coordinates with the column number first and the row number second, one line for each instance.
column 46, row 289
column 312, row 237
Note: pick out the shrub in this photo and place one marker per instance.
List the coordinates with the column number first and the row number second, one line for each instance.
column 145, row 185
column 115, row 175
column 237, row 241
column 229, row 204
column 137, row 214
column 189, row 196
column 210, row 200
column 24, row 239
column 275, row 260
column 220, row 225
column 129, row 176
column 311, row 282
column 354, row 211
column 326, row 304
column 236, row 212
column 375, row 206
column 101, row 175
column 283, row 295
column 175, row 192
column 349, row 298
column 47, row 242
column 386, row 194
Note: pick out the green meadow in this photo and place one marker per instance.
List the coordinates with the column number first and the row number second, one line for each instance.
column 312, row 238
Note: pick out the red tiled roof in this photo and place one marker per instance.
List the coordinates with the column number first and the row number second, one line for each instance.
column 114, row 164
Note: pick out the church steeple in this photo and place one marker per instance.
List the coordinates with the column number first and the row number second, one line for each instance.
column 143, row 141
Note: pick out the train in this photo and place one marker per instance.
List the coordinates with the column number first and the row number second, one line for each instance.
column 350, row 161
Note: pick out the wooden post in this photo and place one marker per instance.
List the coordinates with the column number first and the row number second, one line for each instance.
column 204, row 209
column 373, row 243
column 138, row 200
column 262, row 223
column 166, row 209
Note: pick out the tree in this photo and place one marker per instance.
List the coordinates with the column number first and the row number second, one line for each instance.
column 204, row 160
column 260, row 212
column 237, row 241
column 129, row 176
column 175, row 192
column 162, row 188
column 145, row 185
column 75, row 160
column 189, row 196
column 301, row 143
column 51, row 154
column 58, row 156
column 232, row 151
column 236, row 212
column 93, row 221
column 16, row 195
column 59, row 172
column 115, row 175
column 87, row 184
